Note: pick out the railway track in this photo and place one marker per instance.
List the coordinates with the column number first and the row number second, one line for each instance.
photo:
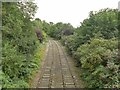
column 58, row 70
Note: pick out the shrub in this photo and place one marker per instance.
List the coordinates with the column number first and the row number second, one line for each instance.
column 100, row 63
column 19, row 45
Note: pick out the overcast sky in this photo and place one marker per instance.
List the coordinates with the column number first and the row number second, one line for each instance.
column 70, row 11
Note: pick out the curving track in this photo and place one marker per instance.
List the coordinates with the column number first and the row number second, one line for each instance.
column 58, row 70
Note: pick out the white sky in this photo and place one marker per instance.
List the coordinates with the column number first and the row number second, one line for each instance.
column 70, row 11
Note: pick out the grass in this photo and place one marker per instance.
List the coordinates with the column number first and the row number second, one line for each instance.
column 39, row 56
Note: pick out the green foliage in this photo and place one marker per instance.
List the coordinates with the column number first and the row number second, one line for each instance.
column 94, row 45
column 103, row 21
column 38, row 26
column 57, row 30
column 70, row 43
column 20, row 44
column 13, row 83
column 99, row 24
column 54, row 30
column 100, row 60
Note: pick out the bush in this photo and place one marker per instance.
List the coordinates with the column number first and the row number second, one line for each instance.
column 70, row 43
column 100, row 63
column 94, row 46
column 19, row 46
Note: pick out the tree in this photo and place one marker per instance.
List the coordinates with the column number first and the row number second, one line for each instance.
column 19, row 44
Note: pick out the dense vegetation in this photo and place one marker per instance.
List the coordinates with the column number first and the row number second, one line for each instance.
column 21, row 50
column 94, row 45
